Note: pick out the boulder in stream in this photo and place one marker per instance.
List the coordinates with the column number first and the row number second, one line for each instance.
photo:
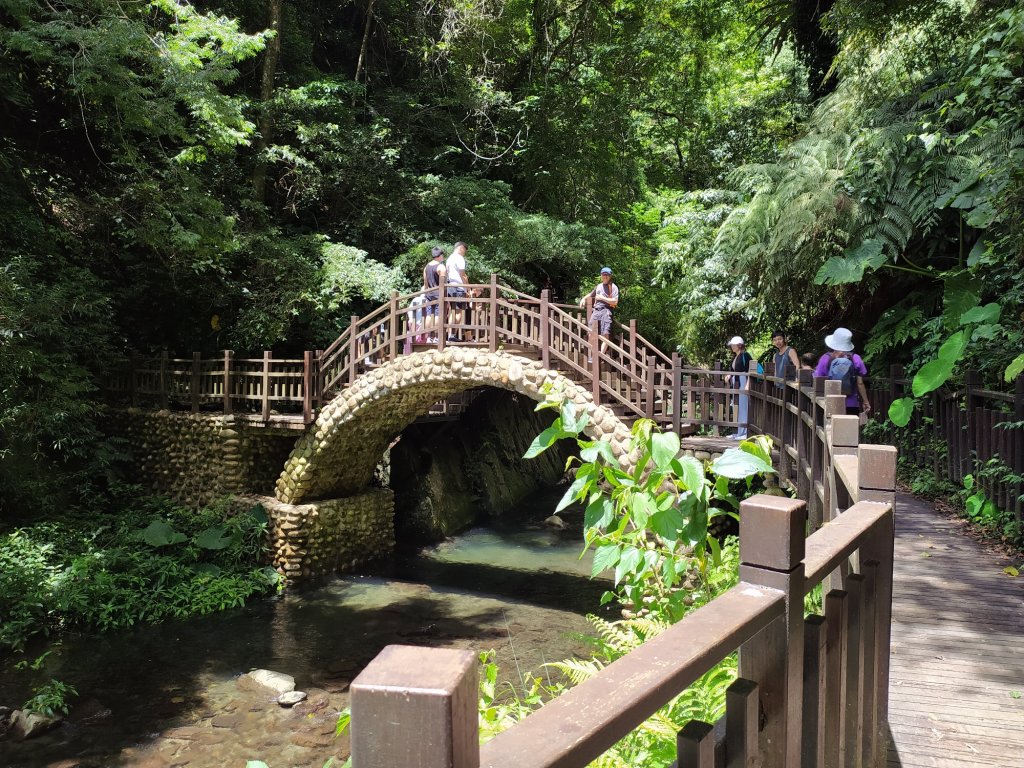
column 25, row 725
column 291, row 698
column 555, row 522
column 262, row 680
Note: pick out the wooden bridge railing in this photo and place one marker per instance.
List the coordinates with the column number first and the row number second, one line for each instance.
column 811, row 691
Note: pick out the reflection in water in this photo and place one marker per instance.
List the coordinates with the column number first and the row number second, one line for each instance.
column 171, row 689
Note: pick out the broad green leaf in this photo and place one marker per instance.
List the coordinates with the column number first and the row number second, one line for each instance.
column 850, row 267
column 986, row 314
column 567, row 415
column 736, row 465
column 952, row 349
column 599, row 513
column 215, row 537
column 968, row 482
column 664, row 448
column 900, row 411
column 695, row 532
column 1015, row 368
column 159, row 533
column 629, row 560
column 690, row 472
column 667, row 523
column 207, row 569
column 959, row 295
column 259, row 514
column 641, row 507
column 1011, row 571
column 605, row 557
column 543, row 441
column 932, row 375
column 987, row 331
column 599, row 449
column 573, row 493
column 977, row 253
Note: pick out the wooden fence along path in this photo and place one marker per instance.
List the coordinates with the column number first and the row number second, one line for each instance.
column 811, row 691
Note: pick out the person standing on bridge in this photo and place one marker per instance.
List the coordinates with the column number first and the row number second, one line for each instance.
column 606, row 299
column 739, row 379
column 787, row 363
column 433, row 277
column 455, row 268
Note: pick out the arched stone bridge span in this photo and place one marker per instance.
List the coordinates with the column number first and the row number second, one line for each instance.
column 337, row 454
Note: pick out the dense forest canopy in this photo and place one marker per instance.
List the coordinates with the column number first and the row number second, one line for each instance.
column 247, row 175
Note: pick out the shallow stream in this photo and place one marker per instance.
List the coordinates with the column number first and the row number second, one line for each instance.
column 167, row 695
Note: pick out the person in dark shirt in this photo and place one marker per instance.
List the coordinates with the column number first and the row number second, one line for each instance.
column 739, row 380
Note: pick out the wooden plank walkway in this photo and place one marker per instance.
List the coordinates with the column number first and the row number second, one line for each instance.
column 956, row 695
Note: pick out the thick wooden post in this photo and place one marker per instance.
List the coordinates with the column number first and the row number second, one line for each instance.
column 353, row 349
column 742, row 723
column 492, row 328
column 545, row 330
column 972, row 382
column 416, row 707
column 836, row 628
column 395, row 325
column 163, row 379
column 852, row 727
column 714, row 415
column 265, row 394
column 676, row 396
column 813, row 740
column 195, row 384
column 771, row 556
column 878, row 553
column 442, row 316
column 1017, row 454
column 308, row 361
column 695, row 745
column 228, row 405
column 649, row 384
column 594, row 357
column 634, row 360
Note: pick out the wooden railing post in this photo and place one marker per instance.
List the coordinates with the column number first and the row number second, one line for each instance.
column 196, row 380
column 676, row 396
column 353, row 349
column 308, row 360
column 492, row 339
column 395, row 325
column 1017, row 454
column 545, row 330
column 771, row 556
column 649, row 384
column 417, row 707
column 163, row 379
column 716, row 381
column 594, row 358
column 442, row 319
column 228, row 405
column 265, row 393
column 317, row 397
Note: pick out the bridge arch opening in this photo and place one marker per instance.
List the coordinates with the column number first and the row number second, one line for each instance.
column 337, row 454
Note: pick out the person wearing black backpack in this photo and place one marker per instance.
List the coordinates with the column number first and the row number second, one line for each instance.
column 841, row 364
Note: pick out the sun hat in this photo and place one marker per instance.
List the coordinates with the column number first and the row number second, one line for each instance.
column 735, row 340
column 841, row 340
column 606, row 270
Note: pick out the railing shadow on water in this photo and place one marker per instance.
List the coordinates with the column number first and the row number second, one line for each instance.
column 811, row 691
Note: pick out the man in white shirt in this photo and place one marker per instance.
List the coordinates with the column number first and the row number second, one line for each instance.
column 455, row 269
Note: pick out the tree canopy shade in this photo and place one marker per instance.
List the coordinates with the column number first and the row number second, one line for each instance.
column 247, row 175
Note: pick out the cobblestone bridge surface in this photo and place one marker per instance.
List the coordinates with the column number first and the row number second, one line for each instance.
column 956, row 690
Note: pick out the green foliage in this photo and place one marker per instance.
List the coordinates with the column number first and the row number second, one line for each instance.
column 150, row 562
column 51, row 699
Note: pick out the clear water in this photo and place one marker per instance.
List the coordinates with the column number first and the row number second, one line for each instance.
column 167, row 695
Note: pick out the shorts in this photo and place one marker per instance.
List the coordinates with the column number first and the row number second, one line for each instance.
column 458, row 292
column 602, row 318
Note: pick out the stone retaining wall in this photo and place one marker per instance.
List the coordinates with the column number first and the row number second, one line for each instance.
column 323, row 537
column 197, row 458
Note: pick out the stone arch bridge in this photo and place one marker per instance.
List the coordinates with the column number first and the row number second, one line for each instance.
column 351, row 400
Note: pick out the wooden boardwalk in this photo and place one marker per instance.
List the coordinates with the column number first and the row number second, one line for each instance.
column 956, row 695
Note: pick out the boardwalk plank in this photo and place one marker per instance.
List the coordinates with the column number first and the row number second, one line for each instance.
column 957, row 649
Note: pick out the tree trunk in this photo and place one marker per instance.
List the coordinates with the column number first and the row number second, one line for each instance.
column 265, row 123
column 361, row 63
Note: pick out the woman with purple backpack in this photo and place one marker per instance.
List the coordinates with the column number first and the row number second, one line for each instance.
column 841, row 364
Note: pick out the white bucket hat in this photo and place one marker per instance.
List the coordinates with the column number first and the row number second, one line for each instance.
column 735, row 340
column 841, row 340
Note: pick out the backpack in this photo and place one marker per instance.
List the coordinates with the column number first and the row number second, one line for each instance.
column 842, row 369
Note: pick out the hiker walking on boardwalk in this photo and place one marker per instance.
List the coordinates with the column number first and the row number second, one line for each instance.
column 455, row 267
column 787, row 363
column 841, row 364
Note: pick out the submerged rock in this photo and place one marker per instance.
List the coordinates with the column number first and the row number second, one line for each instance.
column 261, row 680
column 291, row 698
column 555, row 522
column 25, row 725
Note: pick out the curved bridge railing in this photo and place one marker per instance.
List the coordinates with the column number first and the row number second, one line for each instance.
column 628, row 373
